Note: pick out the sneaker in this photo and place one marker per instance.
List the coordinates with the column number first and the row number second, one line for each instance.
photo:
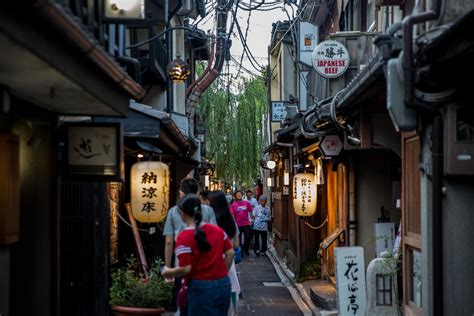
column 257, row 253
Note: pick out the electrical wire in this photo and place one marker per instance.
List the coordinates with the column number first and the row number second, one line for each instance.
column 252, row 60
column 163, row 33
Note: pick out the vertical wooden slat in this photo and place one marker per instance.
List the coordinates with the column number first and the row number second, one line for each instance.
column 411, row 214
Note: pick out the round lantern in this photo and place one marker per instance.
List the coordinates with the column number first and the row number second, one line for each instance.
column 178, row 71
column 304, row 194
column 150, row 182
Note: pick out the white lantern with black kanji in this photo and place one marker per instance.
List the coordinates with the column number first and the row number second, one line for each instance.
column 304, row 194
column 150, row 182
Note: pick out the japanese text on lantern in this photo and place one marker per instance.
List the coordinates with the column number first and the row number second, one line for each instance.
column 150, row 191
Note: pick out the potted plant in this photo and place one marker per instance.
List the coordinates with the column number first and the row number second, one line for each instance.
column 133, row 293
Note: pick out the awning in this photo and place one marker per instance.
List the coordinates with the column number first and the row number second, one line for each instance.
column 50, row 59
column 152, row 129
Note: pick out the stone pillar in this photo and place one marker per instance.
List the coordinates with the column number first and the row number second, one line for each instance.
column 382, row 297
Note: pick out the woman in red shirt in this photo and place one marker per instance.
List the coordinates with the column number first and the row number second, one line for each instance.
column 199, row 250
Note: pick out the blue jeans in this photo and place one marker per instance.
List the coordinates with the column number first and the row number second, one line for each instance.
column 209, row 298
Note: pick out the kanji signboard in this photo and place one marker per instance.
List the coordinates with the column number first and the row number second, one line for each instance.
column 94, row 149
column 330, row 145
column 278, row 111
column 330, row 59
column 350, row 280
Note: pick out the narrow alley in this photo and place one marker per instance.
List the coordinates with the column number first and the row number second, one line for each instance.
column 262, row 290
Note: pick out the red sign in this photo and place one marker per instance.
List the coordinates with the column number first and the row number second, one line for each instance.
column 330, row 59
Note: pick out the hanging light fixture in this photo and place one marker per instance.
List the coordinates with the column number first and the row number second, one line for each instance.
column 304, row 194
column 150, row 183
column 178, row 71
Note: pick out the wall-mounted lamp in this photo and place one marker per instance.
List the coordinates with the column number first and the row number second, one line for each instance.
column 178, row 71
column 352, row 137
column 140, row 156
column 271, row 164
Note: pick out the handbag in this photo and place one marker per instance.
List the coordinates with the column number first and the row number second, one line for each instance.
column 237, row 255
column 182, row 298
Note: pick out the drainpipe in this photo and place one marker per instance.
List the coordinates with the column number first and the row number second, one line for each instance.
column 408, row 67
column 436, row 195
column 206, row 71
column 221, row 45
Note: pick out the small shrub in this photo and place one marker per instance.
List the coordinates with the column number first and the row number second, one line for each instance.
column 310, row 269
column 131, row 288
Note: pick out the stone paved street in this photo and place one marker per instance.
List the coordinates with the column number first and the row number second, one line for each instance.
column 262, row 292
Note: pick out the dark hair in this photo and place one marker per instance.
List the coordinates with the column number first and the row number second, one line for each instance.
column 204, row 194
column 188, row 185
column 191, row 206
column 248, row 191
column 221, row 209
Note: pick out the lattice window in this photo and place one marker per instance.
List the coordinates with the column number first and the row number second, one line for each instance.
column 384, row 290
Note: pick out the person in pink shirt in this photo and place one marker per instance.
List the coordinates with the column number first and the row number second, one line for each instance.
column 242, row 212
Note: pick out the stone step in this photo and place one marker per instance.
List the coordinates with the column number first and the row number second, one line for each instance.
column 323, row 295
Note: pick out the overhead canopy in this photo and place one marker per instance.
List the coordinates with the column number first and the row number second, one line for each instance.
column 152, row 130
column 49, row 59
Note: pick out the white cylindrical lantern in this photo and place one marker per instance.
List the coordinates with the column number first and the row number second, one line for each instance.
column 304, row 194
column 150, row 183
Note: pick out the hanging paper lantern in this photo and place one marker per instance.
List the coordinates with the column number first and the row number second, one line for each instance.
column 304, row 194
column 150, row 182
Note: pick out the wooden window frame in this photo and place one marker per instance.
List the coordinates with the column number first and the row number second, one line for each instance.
column 410, row 240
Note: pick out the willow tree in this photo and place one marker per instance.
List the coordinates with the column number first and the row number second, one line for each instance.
column 233, row 122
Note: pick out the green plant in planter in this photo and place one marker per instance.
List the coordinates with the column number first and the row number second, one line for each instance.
column 133, row 289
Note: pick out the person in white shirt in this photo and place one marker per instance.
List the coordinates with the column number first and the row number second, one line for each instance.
column 249, row 197
column 261, row 215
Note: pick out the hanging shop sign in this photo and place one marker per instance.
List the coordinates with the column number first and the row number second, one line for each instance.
column 94, row 149
column 330, row 145
column 304, row 194
column 278, row 111
column 350, row 280
column 330, row 59
column 150, row 183
column 308, row 34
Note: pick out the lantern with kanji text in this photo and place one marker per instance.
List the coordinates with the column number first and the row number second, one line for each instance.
column 304, row 194
column 150, row 182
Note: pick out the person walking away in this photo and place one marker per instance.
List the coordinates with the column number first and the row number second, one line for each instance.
column 174, row 224
column 249, row 197
column 258, row 189
column 203, row 195
column 219, row 204
column 242, row 212
column 261, row 215
column 205, row 254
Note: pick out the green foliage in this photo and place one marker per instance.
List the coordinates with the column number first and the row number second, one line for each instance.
column 310, row 269
column 234, row 129
column 130, row 288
